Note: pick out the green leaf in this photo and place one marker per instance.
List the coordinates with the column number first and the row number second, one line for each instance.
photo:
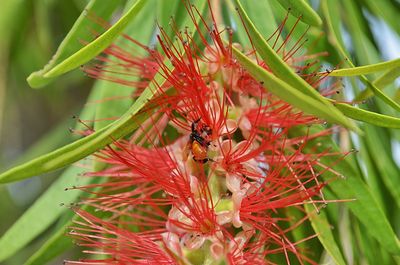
column 42, row 213
column 372, row 252
column 333, row 30
column 54, row 246
column 381, row 82
column 117, row 98
column 380, row 94
column 367, row 69
column 20, row 234
column 365, row 206
column 381, row 155
column 55, row 138
column 58, row 242
column 93, row 142
column 368, row 116
column 166, row 10
column 33, row 222
column 54, row 69
column 289, row 93
column 100, row 102
column 89, row 110
column 79, row 31
column 284, row 72
column 321, row 226
column 273, row 60
column 257, row 12
column 368, row 171
column 300, row 8
column 280, row 13
column 106, row 109
column 82, row 147
column 331, row 13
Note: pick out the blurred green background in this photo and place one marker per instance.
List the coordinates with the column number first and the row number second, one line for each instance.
column 30, row 32
column 35, row 121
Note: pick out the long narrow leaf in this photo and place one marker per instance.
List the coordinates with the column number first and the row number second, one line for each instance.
column 381, row 82
column 82, row 147
column 369, row 116
column 333, row 31
column 289, row 93
column 58, row 243
column 90, row 144
column 54, row 246
column 323, row 229
column 380, row 152
column 365, row 207
column 284, row 72
column 42, row 77
column 301, row 9
column 41, row 214
column 366, row 69
column 71, row 43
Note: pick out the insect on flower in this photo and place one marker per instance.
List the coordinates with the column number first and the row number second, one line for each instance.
column 199, row 141
column 163, row 208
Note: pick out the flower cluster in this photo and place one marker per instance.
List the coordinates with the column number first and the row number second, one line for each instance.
column 213, row 173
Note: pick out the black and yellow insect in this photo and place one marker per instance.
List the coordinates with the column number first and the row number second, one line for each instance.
column 199, row 142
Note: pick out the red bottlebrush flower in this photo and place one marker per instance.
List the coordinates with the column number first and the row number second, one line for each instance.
column 208, row 177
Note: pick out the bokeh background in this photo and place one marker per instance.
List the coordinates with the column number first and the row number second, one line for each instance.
column 35, row 121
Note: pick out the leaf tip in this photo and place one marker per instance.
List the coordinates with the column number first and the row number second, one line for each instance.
column 36, row 80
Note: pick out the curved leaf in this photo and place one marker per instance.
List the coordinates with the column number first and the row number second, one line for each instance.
column 301, row 9
column 42, row 77
column 333, row 32
column 258, row 11
column 82, row 147
column 34, row 221
column 365, row 207
column 381, row 82
column 289, row 93
column 366, row 69
column 321, row 226
column 90, row 144
column 54, row 246
column 20, row 234
column 332, row 17
column 79, row 31
column 284, row 72
column 380, row 152
column 380, row 94
column 368, row 116
column 58, row 242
